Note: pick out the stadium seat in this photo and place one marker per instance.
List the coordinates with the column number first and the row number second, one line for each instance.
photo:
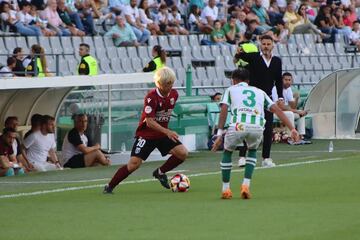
column 206, row 52
column 229, row 63
column 181, row 76
column 145, row 61
column 183, row 41
column 198, row 76
column 76, row 42
column 112, row 52
column 339, row 48
column 186, row 61
column 3, row 49
column 215, row 50
column 45, row 43
column 105, row 65
column 174, row 41
column 56, row 45
column 116, row 65
column 126, row 65
column 153, row 41
column 320, row 49
column 66, row 45
column 100, row 53
column 10, row 43
column 21, row 42
column 31, row 40
column 136, row 64
column 299, row 39
column 121, row 52
column 169, row 62
column 193, row 40
column 64, row 67
column 143, row 52
column 330, row 50
column 211, row 75
column 186, row 52
column 164, row 43
column 99, row 42
column 219, row 61
column 283, row 51
column 293, row 49
column 73, row 66
column 225, row 50
column 309, row 39
column 176, row 61
column 131, row 52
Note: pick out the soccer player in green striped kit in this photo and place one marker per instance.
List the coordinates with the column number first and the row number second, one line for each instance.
column 247, row 105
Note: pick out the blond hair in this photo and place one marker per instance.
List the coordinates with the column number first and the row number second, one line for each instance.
column 164, row 76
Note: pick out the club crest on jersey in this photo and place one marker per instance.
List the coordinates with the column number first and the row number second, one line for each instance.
column 148, row 109
column 239, row 127
column 172, row 101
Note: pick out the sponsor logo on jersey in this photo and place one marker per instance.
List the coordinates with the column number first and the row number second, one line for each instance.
column 172, row 101
column 163, row 116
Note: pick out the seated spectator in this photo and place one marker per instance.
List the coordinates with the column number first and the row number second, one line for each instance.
column 18, row 151
column 232, row 32
column 132, row 17
column 338, row 19
column 118, row 6
column 280, row 32
column 42, row 23
column 216, row 97
column 261, row 13
column 350, row 16
column 77, row 149
column 7, row 71
column 36, row 58
column 199, row 3
column 8, row 163
column 355, row 35
column 158, row 61
column 9, row 17
column 162, row 19
column 210, row 14
column 218, row 34
column 35, row 124
column 240, row 21
column 146, row 20
column 175, row 20
column 84, row 9
column 274, row 12
column 54, row 20
column 39, row 4
column 289, row 104
column 19, row 69
column 325, row 23
column 195, row 22
column 122, row 34
column 41, row 144
column 65, row 17
column 26, row 19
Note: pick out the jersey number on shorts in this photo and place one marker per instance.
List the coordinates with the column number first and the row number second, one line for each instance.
column 250, row 101
column 141, row 143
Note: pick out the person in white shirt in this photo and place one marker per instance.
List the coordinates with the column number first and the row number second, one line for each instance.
column 132, row 17
column 175, row 20
column 210, row 13
column 145, row 18
column 77, row 149
column 289, row 104
column 41, row 144
column 162, row 18
column 355, row 34
column 7, row 71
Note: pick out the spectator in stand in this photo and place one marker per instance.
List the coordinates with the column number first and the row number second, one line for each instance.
column 218, row 34
column 281, row 32
column 216, row 97
column 261, row 13
column 19, row 69
column 281, row 4
column 234, row 6
column 9, row 17
column 18, row 151
column 210, row 13
column 41, row 144
column 175, row 20
column 254, row 28
column 7, row 71
column 88, row 64
column 159, row 59
column 232, row 32
column 162, row 19
column 355, row 35
column 72, row 11
column 274, row 13
column 146, row 20
column 132, row 17
column 39, row 4
column 350, row 16
column 9, row 166
column 240, row 21
column 247, row 6
column 54, row 20
column 65, row 17
column 42, row 23
column 36, row 58
column 196, row 25
column 199, row 3
column 118, row 6
column 122, row 34
column 325, row 23
column 26, row 19
column 338, row 19
column 78, row 150
column 85, row 9
column 35, row 124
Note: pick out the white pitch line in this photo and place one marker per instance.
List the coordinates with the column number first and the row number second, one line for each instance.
column 15, row 195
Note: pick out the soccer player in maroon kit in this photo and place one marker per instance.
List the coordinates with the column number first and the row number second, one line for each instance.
column 153, row 132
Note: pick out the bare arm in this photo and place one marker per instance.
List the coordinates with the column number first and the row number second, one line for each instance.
column 85, row 150
column 151, row 123
column 275, row 109
column 53, row 156
column 221, row 124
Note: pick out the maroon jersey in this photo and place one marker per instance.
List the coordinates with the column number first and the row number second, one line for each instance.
column 159, row 108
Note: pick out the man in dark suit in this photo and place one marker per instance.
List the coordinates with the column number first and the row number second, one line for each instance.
column 265, row 72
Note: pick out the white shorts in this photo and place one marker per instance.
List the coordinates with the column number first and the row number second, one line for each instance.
column 44, row 166
column 251, row 134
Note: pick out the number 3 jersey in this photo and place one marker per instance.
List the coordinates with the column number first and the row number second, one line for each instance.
column 158, row 107
column 246, row 104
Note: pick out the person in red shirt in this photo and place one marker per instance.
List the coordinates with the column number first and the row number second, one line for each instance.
column 153, row 132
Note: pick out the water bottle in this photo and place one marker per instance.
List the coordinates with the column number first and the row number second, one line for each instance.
column 331, row 146
column 123, row 147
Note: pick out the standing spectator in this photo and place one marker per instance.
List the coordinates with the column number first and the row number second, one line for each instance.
column 265, row 72
column 7, row 71
column 18, row 151
column 175, row 20
column 355, row 35
column 8, row 163
column 36, row 58
column 231, row 30
column 146, row 20
column 132, row 16
column 26, row 19
column 88, row 64
column 19, row 69
column 196, row 24
column 159, row 60
column 77, row 149
column 51, row 15
column 122, row 34
column 41, row 144
column 210, row 13
column 325, row 23
column 218, row 34
column 65, row 17
column 9, row 17
column 35, row 124
column 162, row 19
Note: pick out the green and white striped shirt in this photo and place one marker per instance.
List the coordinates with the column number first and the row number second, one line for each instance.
column 246, row 104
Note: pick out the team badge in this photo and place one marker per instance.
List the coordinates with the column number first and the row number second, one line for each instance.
column 137, row 150
column 239, row 127
column 82, row 65
column 148, row 109
column 256, row 112
column 29, row 68
column 172, row 101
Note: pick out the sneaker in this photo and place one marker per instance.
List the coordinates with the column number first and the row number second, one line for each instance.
column 227, row 194
column 268, row 162
column 107, row 190
column 245, row 192
column 242, row 162
column 162, row 178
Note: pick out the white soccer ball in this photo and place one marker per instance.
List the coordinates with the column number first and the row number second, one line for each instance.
column 180, row 183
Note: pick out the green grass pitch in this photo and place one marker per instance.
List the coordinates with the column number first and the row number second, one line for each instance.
column 318, row 200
